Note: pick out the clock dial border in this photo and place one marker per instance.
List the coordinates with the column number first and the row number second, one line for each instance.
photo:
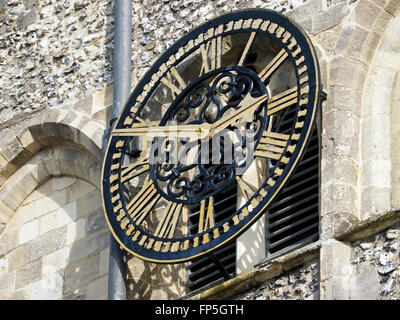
column 144, row 90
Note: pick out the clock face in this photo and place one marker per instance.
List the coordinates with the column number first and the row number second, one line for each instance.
column 206, row 114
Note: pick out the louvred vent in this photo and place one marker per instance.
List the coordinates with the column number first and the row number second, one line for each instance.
column 292, row 220
column 208, row 271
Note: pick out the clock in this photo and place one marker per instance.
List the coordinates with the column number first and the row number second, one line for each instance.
column 206, row 113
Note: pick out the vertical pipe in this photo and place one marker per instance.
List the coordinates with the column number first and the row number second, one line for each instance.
column 122, row 65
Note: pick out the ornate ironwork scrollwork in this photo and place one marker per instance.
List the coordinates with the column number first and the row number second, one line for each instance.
column 207, row 100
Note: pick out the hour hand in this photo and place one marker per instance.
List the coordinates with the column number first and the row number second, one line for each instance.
column 173, row 131
column 245, row 113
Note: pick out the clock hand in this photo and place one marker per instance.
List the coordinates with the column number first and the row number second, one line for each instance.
column 246, row 111
column 175, row 131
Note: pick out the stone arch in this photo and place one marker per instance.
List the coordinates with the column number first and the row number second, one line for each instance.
column 62, row 160
column 52, row 127
column 342, row 154
column 51, row 225
column 379, row 124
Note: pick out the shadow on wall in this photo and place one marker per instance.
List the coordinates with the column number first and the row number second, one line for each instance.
column 147, row 280
column 56, row 244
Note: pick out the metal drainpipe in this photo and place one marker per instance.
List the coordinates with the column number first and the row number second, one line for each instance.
column 122, row 64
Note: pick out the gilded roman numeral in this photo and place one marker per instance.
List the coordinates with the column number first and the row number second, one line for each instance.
column 282, row 101
column 246, row 48
column 206, row 219
column 167, row 226
column 174, row 76
column 134, row 169
column 273, row 65
column 272, row 145
column 211, row 55
column 140, row 206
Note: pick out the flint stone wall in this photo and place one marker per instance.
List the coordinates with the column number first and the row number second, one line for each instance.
column 55, row 53
column 377, row 262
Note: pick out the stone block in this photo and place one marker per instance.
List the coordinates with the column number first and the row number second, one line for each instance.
column 95, row 221
column 55, row 261
column 80, row 273
column 48, row 222
column 7, row 284
column 94, row 171
column 41, row 192
column 37, row 170
column 84, row 159
column 17, row 258
column 3, row 161
column 27, row 141
column 395, row 147
column 97, row 138
column 392, row 6
column 28, row 273
column 76, row 231
column 336, row 223
column 336, row 288
column 88, row 203
column 348, row 72
column 8, row 241
column 376, row 173
column 381, row 22
column 374, row 201
column 365, row 14
column 50, row 161
column 5, row 212
column 10, row 146
column 369, row 47
column 344, row 99
column 335, row 258
column 48, row 288
column 346, row 171
column 47, row 243
column 364, row 282
column 330, row 17
column 18, row 187
column 28, row 231
column 98, row 289
column 89, row 246
column 305, row 10
column 377, row 98
column 60, row 183
column 98, row 101
column 68, row 161
column 327, row 202
column 84, row 105
column 90, row 128
column 66, row 214
column 53, row 202
column 375, row 138
column 344, row 127
column 346, row 199
column 350, row 39
column 4, row 266
column 387, row 56
column 81, row 190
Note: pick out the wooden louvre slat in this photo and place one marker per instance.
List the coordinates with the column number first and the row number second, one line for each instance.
column 292, row 220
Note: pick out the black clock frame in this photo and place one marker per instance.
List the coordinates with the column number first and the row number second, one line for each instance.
column 235, row 230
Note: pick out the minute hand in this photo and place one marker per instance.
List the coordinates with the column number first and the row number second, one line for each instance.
column 174, row 131
column 245, row 113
